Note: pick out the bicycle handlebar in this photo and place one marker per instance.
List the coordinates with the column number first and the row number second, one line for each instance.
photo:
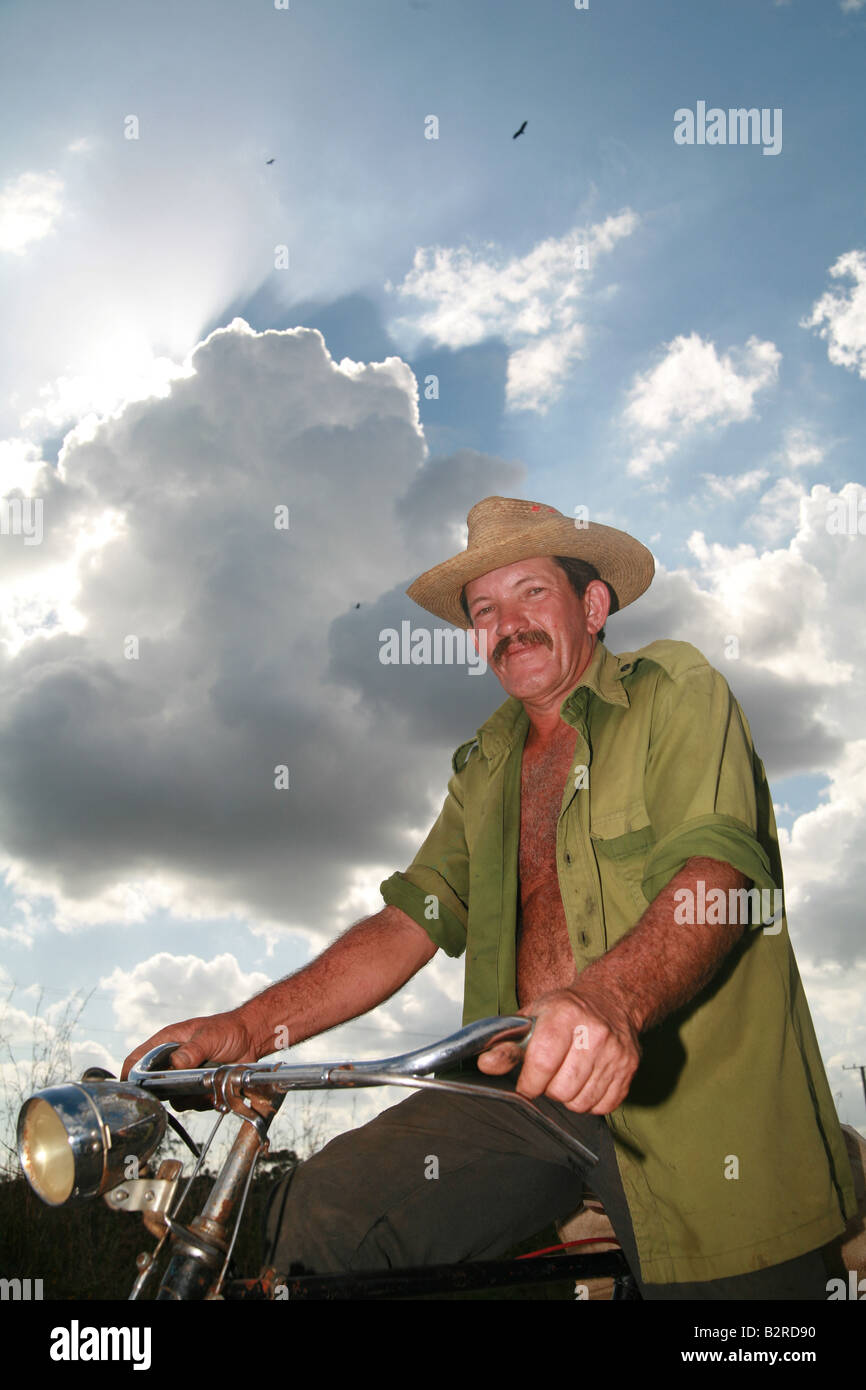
column 280, row 1077
column 273, row 1080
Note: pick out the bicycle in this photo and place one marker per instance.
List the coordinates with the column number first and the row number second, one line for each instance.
column 75, row 1142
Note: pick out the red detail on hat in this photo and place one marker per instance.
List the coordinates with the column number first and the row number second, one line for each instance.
column 535, row 507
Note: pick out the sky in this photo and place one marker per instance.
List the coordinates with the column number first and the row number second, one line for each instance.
column 261, row 260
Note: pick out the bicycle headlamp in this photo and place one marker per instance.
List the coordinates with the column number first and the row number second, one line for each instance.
column 74, row 1141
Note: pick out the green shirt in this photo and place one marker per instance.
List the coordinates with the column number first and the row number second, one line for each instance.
column 728, row 1143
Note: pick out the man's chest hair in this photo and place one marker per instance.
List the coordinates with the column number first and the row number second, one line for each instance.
column 543, row 778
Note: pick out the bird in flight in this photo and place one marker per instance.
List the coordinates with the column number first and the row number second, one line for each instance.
column 519, row 132
column 270, row 161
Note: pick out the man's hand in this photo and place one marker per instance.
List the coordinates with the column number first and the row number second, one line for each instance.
column 219, row 1038
column 583, row 1052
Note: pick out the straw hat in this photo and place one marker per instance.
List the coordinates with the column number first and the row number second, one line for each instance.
column 503, row 530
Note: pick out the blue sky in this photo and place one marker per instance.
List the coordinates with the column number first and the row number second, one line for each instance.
column 700, row 383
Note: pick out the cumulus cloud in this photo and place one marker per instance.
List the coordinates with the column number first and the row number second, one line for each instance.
column 20, row 462
column 29, row 209
column 166, row 987
column 851, row 6
column 124, row 370
column 693, row 386
column 800, row 448
column 795, row 666
column 840, row 318
column 169, row 648
column 530, row 301
column 776, row 514
column 729, row 487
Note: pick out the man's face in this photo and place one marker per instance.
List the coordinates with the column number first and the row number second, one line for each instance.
column 540, row 635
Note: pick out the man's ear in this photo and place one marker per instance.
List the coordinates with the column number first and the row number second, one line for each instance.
column 596, row 605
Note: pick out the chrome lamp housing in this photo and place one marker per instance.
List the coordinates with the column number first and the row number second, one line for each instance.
column 75, row 1141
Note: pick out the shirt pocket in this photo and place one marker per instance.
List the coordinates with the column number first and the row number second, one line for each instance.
column 622, row 839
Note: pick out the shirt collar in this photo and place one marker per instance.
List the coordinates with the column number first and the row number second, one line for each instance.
column 601, row 678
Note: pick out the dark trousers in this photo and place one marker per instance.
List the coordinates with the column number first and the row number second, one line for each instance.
column 442, row 1178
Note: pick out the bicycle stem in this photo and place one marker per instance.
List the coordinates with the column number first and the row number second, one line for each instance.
column 200, row 1252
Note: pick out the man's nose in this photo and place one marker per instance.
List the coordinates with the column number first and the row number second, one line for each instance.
column 511, row 620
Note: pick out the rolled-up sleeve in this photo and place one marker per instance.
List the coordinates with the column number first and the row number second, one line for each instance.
column 434, row 890
column 704, row 785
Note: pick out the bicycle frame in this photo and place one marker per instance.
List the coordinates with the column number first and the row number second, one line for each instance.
column 200, row 1252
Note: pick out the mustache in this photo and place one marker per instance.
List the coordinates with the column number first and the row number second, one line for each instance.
column 524, row 639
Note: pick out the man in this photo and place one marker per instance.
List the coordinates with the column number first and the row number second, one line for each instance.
column 593, row 858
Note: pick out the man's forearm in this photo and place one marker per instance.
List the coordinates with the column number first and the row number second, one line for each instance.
column 363, row 968
column 661, row 965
